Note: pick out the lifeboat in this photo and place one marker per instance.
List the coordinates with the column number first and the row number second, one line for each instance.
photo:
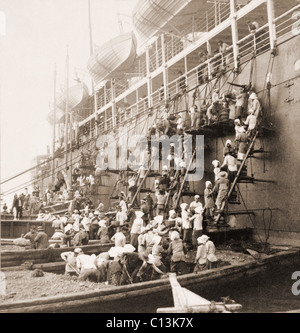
column 78, row 95
column 150, row 16
column 112, row 58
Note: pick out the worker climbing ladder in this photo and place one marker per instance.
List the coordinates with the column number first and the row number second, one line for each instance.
column 226, row 198
column 142, row 181
column 184, row 179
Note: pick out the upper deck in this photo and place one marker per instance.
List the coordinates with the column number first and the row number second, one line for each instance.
column 174, row 56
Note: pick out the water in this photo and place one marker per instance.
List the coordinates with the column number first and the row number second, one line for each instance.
column 265, row 293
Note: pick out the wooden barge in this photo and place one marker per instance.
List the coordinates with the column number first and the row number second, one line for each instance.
column 16, row 258
column 113, row 297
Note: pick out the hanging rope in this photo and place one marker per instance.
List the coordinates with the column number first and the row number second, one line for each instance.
column 267, row 229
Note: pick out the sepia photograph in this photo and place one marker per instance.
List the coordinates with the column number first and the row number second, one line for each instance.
column 149, row 159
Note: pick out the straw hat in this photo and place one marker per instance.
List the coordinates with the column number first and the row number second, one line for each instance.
column 78, row 250
column 253, row 96
column 222, row 174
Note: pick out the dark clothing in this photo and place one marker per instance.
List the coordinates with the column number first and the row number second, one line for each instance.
column 145, row 210
column 176, row 250
column 164, row 182
column 228, row 150
column 19, row 207
column 114, row 273
column 41, row 240
column 94, row 227
column 130, row 216
column 150, row 204
column 81, row 238
column 103, row 235
column 31, row 236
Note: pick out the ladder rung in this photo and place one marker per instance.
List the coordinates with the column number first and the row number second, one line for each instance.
column 188, row 193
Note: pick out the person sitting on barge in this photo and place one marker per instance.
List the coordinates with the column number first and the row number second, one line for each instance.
column 31, row 235
column 81, row 237
column 41, row 240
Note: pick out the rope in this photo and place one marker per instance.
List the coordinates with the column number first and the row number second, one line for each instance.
column 267, row 230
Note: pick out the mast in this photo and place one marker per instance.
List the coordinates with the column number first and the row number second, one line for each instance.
column 0, row 182
column 91, row 52
column 67, row 109
column 54, row 125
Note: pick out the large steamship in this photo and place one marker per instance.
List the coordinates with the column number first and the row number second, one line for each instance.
column 139, row 75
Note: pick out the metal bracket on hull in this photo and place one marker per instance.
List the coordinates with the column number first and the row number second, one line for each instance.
column 288, row 100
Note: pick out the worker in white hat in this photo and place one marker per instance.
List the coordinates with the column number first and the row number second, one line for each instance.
column 70, row 259
column 196, row 202
column 254, row 104
column 196, row 220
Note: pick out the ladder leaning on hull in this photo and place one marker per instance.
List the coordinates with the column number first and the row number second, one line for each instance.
column 236, row 178
column 183, row 181
column 142, row 182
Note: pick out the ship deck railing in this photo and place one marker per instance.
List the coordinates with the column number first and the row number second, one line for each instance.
column 248, row 46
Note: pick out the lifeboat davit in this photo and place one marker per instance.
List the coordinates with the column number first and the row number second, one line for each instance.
column 113, row 58
column 150, row 16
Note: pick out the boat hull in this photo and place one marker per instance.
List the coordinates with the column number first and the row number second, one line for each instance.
column 150, row 16
column 115, row 297
column 113, row 58
column 15, row 258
